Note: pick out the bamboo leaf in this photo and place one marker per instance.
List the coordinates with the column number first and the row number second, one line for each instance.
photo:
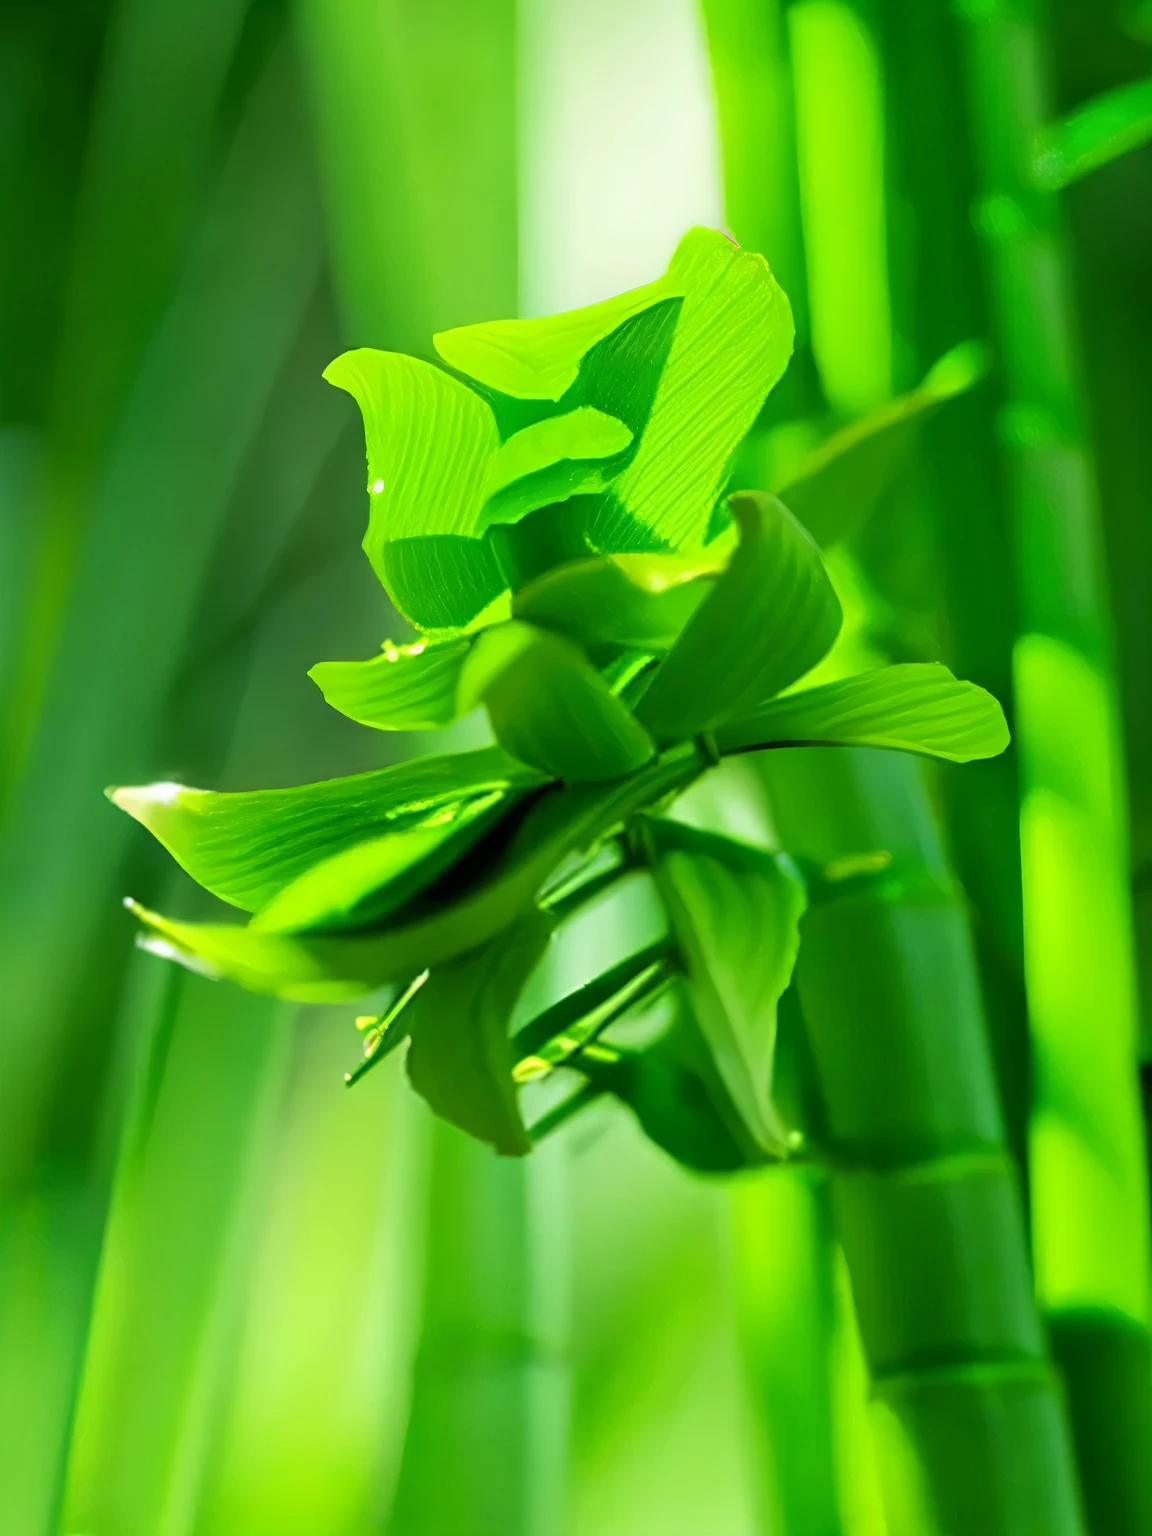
column 539, row 359
column 837, row 487
column 550, row 708
column 673, row 1088
column 735, row 911
column 564, row 824
column 913, row 708
column 584, row 433
column 1100, row 131
column 246, row 847
column 769, row 619
column 460, row 1056
column 430, row 439
column 405, row 688
column 369, row 881
column 552, row 460
column 639, row 601
column 732, row 342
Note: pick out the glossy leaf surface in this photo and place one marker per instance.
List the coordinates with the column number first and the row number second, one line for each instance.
column 460, row 1056
column 550, row 707
column 735, row 911
column 245, row 847
column 769, row 619
column 539, row 359
column 562, row 824
column 842, row 480
column 369, row 881
column 639, row 601
column 917, row 707
column 732, row 342
column 405, row 688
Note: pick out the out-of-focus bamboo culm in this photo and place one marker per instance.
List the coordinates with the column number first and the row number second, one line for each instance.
column 488, row 1389
column 969, row 1425
column 1087, row 1160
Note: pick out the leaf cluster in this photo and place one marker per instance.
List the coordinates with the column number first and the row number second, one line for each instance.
column 550, row 510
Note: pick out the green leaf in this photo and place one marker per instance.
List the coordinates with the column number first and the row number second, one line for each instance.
column 429, row 439
column 732, row 342
column 584, row 433
column 405, row 688
column 768, row 620
column 369, row 881
column 552, row 460
column 913, row 708
column 735, row 911
column 564, row 824
column 1099, row 131
column 246, row 847
column 637, row 601
column 841, row 481
column 460, row 1058
column 446, row 582
column 673, row 1088
column 539, row 359
column 550, row 707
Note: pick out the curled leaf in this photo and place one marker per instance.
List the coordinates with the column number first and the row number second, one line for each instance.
column 405, row 688
column 771, row 616
column 550, row 707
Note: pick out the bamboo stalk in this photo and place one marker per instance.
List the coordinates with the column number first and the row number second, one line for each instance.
column 1088, row 1172
column 968, row 1420
column 925, row 1199
column 489, row 1384
column 164, row 492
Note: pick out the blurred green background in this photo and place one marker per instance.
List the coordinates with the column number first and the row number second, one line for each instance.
column 234, row 1298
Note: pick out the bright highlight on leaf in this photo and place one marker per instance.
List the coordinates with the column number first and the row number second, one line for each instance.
column 540, row 359
column 246, row 847
column 405, row 688
column 770, row 618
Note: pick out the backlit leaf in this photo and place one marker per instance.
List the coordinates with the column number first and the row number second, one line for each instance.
column 918, row 707
column 732, row 342
column 245, row 847
column 369, row 881
column 771, row 616
column 539, row 359
column 563, row 824
column 429, row 441
column 460, row 1056
column 550, row 707
column 735, row 912
column 841, row 481
column 637, row 601
column 552, row 460
column 405, row 688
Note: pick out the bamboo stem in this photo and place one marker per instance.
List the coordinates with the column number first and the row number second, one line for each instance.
column 967, row 1415
column 926, row 1203
column 1088, row 1174
column 423, row 232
